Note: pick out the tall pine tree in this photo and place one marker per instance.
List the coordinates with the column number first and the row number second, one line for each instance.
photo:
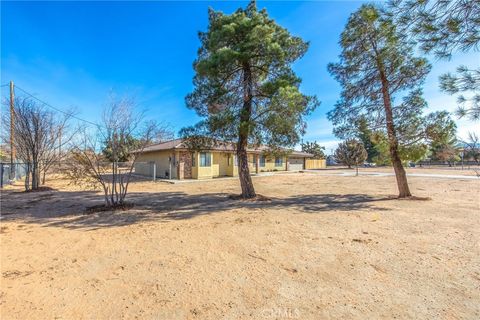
column 245, row 87
column 365, row 134
column 376, row 66
column 444, row 28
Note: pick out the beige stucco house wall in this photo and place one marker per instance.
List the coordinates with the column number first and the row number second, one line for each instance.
column 172, row 160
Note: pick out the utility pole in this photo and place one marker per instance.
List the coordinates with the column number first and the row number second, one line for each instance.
column 12, row 131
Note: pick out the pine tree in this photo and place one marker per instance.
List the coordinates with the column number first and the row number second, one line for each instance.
column 365, row 134
column 351, row 153
column 443, row 28
column 314, row 148
column 443, row 138
column 245, row 87
column 376, row 66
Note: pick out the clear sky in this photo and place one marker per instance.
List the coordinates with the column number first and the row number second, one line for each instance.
column 72, row 54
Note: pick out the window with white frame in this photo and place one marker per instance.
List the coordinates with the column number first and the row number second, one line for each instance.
column 278, row 161
column 205, row 159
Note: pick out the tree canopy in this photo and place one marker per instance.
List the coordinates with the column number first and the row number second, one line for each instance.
column 245, row 87
column 314, row 148
column 351, row 153
column 377, row 67
column 443, row 28
column 119, row 149
column 472, row 147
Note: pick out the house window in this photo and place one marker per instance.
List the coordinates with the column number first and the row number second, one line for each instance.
column 235, row 160
column 262, row 161
column 193, row 159
column 205, row 159
column 278, row 161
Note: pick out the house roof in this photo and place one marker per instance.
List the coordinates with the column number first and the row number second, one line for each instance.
column 166, row 145
column 178, row 144
column 300, row 154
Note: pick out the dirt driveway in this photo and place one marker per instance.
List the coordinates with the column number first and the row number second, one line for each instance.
column 324, row 247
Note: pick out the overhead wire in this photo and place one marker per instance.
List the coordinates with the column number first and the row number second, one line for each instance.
column 54, row 108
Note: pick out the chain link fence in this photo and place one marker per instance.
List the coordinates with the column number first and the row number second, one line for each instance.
column 449, row 164
column 141, row 170
column 11, row 172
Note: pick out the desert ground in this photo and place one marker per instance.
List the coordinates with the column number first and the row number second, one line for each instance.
column 325, row 246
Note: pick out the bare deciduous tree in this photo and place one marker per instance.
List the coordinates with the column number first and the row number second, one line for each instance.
column 39, row 137
column 472, row 148
column 447, row 153
column 120, row 125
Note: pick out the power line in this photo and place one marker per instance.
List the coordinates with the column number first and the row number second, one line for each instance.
column 56, row 109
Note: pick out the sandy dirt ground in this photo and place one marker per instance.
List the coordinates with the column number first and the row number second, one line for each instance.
column 324, row 247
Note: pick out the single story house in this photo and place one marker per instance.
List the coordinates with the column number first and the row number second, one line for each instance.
column 173, row 160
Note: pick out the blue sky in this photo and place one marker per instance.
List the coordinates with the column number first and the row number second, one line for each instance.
column 73, row 54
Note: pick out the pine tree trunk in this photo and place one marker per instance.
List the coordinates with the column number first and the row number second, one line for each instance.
column 401, row 176
column 248, row 191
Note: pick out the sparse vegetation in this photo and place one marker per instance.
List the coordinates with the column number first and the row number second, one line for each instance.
column 40, row 138
column 122, row 135
column 351, row 153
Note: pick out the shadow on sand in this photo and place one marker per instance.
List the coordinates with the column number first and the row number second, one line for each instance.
column 67, row 209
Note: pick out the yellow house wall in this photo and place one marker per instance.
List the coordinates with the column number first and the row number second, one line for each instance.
column 232, row 170
column 202, row 172
column 195, row 167
column 161, row 159
column 270, row 165
column 251, row 163
column 219, row 164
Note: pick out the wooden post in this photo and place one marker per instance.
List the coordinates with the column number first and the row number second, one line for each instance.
column 154, row 170
column 12, row 131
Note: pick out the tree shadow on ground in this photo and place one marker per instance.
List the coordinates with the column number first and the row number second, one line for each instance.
column 67, row 209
